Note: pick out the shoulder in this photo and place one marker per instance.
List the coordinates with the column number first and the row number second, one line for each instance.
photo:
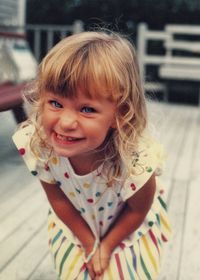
column 23, row 135
column 148, row 156
column 146, row 161
column 22, row 140
column 36, row 160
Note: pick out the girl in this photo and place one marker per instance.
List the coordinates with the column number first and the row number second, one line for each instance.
column 87, row 141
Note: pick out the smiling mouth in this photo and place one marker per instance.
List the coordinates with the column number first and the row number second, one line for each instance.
column 67, row 138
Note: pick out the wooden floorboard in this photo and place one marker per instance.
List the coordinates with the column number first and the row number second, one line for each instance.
column 24, row 252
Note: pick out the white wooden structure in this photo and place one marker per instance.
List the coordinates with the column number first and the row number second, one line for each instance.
column 24, row 251
column 12, row 12
column 180, row 61
column 144, row 36
column 49, row 31
column 16, row 59
column 17, row 62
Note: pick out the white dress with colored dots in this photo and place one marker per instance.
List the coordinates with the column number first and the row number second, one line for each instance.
column 139, row 255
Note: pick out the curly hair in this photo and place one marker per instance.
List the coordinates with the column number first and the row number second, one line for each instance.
column 101, row 64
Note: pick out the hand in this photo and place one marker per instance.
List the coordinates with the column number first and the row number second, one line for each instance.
column 89, row 265
column 99, row 262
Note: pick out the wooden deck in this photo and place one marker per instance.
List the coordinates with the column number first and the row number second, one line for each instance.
column 23, row 207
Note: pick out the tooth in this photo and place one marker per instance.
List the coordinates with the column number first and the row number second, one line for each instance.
column 62, row 137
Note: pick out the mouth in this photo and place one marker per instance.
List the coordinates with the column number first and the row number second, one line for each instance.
column 68, row 139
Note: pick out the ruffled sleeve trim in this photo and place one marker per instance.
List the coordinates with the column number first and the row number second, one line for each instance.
column 21, row 139
column 147, row 160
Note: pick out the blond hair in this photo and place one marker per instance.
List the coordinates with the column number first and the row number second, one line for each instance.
column 101, row 64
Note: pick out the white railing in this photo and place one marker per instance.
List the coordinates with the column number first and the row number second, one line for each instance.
column 17, row 61
column 144, row 36
column 50, row 32
column 177, row 59
column 43, row 37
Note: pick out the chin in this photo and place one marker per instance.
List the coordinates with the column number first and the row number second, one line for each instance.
column 60, row 153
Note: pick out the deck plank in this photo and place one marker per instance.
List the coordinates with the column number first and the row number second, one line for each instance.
column 12, row 202
column 28, row 258
column 178, row 199
column 171, row 258
column 45, row 270
column 14, row 243
column 28, row 209
column 190, row 267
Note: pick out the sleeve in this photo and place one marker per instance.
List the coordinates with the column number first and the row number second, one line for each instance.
column 148, row 160
column 36, row 166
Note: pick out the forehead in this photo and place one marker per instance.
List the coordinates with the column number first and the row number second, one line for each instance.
column 88, row 91
column 81, row 97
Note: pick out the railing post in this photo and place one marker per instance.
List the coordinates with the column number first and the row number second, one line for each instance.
column 63, row 34
column 50, row 34
column 141, row 48
column 77, row 26
column 37, row 39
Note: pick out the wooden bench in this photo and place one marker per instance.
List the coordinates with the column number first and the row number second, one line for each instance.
column 11, row 99
column 182, row 59
column 147, row 58
column 179, row 59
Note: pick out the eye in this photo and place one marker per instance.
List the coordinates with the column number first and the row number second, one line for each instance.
column 87, row 109
column 55, row 104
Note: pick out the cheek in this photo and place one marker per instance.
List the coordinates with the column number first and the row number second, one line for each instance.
column 47, row 122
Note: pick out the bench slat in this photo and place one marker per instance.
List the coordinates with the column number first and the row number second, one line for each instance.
column 177, row 72
column 10, row 96
column 182, row 61
column 183, row 29
column 183, row 46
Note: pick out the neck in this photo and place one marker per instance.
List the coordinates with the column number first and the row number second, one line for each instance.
column 84, row 165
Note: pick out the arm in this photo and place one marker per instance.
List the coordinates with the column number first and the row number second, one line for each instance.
column 69, row 215
column 128, row 221
column 133, row 214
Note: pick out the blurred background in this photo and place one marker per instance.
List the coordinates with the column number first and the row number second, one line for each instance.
column 166, row 34
column 44, row 23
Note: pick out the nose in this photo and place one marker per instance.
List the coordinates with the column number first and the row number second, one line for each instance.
column 68, row 121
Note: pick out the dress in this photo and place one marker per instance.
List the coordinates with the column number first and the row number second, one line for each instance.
column 139, row 255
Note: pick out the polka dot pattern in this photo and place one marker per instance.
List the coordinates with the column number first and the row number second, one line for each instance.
column 54, row 160
column 86, row 185
column 58, row 183
column 93, row 198
column 66, row 175
column 34, row 172
column 150, row 223
column 22, row 151
column 149, row 169
column 72, row 194
column 161, row 191
column 46, row 167
column 133, row 186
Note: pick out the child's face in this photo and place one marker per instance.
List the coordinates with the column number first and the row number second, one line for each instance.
column 77, row 126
